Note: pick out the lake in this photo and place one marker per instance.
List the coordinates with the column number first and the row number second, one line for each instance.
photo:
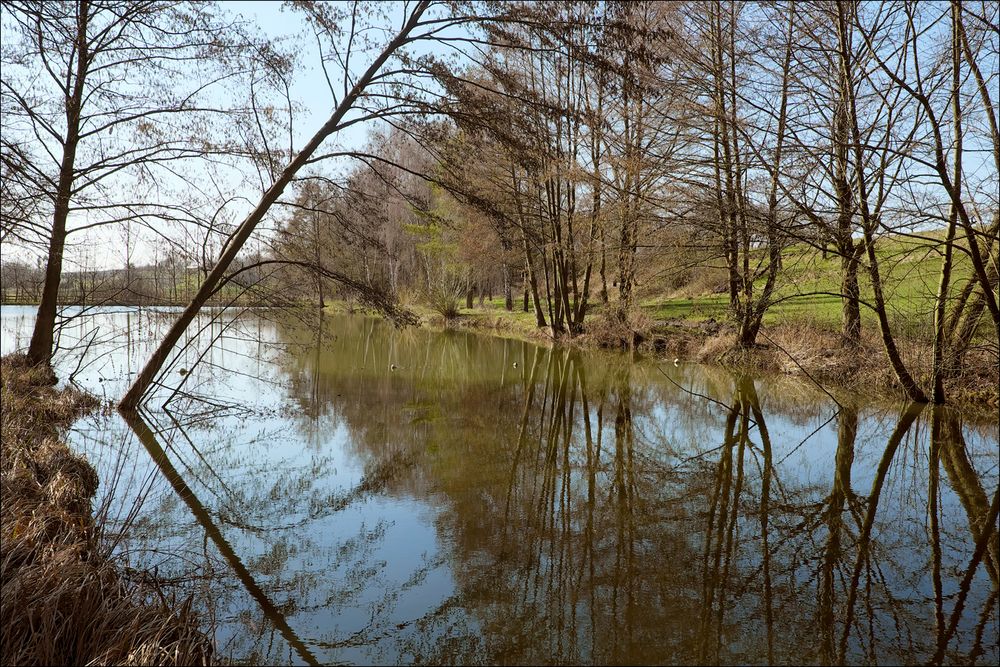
column 338, row 491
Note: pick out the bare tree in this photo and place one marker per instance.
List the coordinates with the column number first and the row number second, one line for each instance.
column 85, row 144
column 337, row 120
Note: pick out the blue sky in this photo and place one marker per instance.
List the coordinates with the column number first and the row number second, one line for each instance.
column 99, row 249
column 308, row 87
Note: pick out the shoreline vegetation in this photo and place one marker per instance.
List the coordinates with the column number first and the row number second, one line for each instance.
column 796, row 347
column 805, row 346
column 66, row 600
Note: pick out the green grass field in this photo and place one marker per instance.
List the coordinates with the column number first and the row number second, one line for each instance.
column 808, row 288
column 807, row 292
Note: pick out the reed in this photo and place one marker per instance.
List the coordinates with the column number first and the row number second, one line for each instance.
column 63, row 601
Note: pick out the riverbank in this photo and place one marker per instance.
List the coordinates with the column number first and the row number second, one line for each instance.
column 64, row 600
column 802, row 344
column 802, row 348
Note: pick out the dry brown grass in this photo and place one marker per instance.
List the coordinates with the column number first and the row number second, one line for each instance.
column 63, row 602
column 805, row 350
column 609, row 331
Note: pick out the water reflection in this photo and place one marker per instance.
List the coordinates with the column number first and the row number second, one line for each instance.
column 948, row 443
column 576, row 530
column 273, row 614
column 841, row 499
column 410, row 496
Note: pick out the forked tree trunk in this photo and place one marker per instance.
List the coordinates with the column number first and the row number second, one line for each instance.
column 850, row 325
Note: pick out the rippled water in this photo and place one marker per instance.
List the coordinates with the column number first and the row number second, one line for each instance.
column 361, row 494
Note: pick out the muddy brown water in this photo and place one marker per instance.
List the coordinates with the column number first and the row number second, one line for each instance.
column 356, row 493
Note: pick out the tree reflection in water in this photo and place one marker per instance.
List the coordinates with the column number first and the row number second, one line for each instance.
column 576, row 508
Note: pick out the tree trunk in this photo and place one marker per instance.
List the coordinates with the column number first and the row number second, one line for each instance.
column 941, row 302
column 508, row 288
column 965, row 325
column 753, row 310
column 749, row 326
column 524, row 284
column 145, row 377
column 533, row 283
column 604, row 273
column 869, row 221
column 913, row 391
column 850, row 326
column 40, row 348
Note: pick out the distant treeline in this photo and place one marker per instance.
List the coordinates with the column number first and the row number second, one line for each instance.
column 161, row 284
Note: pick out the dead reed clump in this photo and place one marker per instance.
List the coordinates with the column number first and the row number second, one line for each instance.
column 823, row 355
column 757, row 359
column 61, row 601
column 978, row 382
column 802, row 348
column 713, row 348
column 610, row 330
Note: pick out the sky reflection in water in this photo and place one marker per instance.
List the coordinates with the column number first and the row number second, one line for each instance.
column 493, row 501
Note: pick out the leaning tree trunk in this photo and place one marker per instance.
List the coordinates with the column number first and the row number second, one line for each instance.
column 965, row 326
column 138, row 389
column 870, row 221
column 40, row 348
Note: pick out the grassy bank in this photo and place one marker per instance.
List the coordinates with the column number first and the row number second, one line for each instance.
column 808, row 288
column 64, row 601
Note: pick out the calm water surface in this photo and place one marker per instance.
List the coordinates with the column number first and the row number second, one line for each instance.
column 361, row 494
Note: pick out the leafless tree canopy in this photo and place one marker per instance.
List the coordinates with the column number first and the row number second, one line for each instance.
column 575, row 157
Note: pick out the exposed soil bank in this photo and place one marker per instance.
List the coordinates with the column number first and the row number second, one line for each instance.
column 63, row 601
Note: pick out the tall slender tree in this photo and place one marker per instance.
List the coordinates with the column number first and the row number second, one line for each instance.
column 103, row 100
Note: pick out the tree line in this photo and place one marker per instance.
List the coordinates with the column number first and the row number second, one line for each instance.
column 567, row 155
